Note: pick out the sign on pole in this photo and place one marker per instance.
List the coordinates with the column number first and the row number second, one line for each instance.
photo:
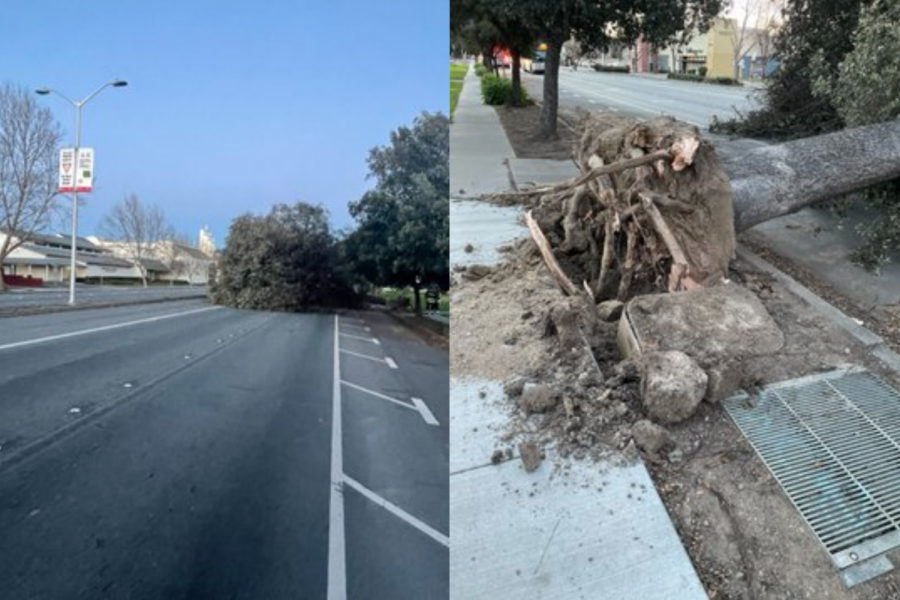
column 76, row 176
column 84, row 170
column 67, row 170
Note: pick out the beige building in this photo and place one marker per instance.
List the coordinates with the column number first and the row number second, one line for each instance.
column 168, row 260
column 48, row 257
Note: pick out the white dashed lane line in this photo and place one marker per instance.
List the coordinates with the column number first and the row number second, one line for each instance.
column 371, row 340
column 398, row 512
column 417, row 405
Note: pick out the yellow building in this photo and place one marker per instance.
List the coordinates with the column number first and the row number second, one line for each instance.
column 720, row 41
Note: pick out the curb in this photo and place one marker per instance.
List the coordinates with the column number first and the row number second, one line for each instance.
column 27, row 311
column 423, row 326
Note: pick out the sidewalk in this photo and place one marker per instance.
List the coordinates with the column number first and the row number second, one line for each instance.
column 571, row 529
column 816, row 240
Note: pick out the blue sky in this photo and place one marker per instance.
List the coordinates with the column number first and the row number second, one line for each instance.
column 232, row 106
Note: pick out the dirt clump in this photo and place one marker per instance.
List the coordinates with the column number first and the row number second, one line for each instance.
column 672, row 385
column 650, row 437
column 531, row 456
column 538, row 398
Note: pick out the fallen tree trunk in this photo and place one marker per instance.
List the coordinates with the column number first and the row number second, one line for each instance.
column 774, row 181
column 654, row 209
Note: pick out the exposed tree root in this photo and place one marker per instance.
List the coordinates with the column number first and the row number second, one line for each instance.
column 651, row 211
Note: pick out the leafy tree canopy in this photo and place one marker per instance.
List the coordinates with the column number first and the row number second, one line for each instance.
column 404, row 222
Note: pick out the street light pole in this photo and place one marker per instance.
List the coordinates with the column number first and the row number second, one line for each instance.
column 78, row 105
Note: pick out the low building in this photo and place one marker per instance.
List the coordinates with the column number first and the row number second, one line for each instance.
column 170, row 261
column 48, row 257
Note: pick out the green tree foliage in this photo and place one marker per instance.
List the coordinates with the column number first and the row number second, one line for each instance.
column 281, row 261
column 482, row 24
column 404, row 222
column 865, row 89
column 599, row 23
column 815, row 38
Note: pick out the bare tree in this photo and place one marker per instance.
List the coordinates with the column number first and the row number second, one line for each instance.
column 29, row 139
column 137, row 229
column 753, row 28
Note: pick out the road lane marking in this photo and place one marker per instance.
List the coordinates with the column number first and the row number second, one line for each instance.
column 71, row 334
column 364, row 327
column 399, row 512
column 337, row 567
column 390, row 362
column 378, row 395
column 375, row 358
column 425, row 411
column 371, row 340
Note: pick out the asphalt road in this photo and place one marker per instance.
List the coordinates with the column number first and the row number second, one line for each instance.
column 185, row 451
column 643, row 97
column 92, row 294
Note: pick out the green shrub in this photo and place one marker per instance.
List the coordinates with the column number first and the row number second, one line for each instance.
column 703, row 71
column 685, row 77
column 479, row 69
column 612, row 68
column 497, row 91
column 701, row 79
column 722, row 80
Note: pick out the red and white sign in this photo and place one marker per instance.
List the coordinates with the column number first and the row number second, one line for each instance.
column 76, row 175
column 67, row 170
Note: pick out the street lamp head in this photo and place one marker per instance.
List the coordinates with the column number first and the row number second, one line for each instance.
column 42, row 91
column 119, row 83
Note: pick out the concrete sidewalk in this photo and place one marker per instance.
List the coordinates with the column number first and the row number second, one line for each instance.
column 571, row 529
column 820, row 242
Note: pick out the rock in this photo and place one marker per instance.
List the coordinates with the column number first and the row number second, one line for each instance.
column 527, row 315
column 672, row 386
column 459, row 268
column 469, row 248
column 619, row 409
column 724, row 381
column 530, row 455
column 477, row 271
column 511, row 340
column 649, row 436
column 538, row 398
column 497, row 457
column 514, row 387
column 610, row 310
column 631, row 451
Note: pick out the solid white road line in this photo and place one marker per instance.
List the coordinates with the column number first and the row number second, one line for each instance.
column 425, row 411
column 396, row 510
column 71, row 334
column 375, row 358
column 378, row 395
column 337, row 567
column 390, row 362
column 365, row 339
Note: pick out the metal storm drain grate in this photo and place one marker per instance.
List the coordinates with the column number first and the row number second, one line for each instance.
column 832, row 441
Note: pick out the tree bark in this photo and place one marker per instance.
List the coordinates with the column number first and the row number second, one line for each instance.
column 551, row 90
column 516, row 79
column 774, row 181
column 418, row 299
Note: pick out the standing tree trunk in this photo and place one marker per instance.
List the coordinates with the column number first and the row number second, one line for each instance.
column 551, row 89
column 486, row 57
column 516, row 79
column 418, row 298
